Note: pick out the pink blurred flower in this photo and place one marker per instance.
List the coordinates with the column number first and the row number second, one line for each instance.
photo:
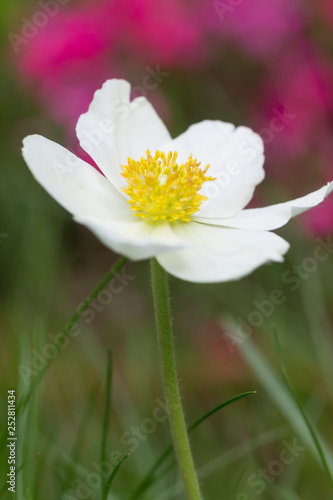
column 327, row 10
column 165, row 32
column 301, row 84
column 68, row 96
column 320, row 221
column 69, row 39
column 67, row 60
column 258, row 27
column 83, row 46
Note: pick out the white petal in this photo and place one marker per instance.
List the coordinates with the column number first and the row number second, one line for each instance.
column 115, row 127
column 135, row 238
column 75, row 184
column 221, row 254
column 274, row 216
column 236, row 159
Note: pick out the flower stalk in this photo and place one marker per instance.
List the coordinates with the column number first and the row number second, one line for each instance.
column 170, row 381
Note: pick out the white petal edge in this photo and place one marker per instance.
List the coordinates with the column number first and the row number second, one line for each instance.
column 73, row 183
column 115, row 127
column 274, row 216
column 236, row 158
column 221, row 254
column 137, row 239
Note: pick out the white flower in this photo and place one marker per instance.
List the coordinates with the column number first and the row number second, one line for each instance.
column 187, row 211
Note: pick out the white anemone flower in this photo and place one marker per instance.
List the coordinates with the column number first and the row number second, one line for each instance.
column 180, row 200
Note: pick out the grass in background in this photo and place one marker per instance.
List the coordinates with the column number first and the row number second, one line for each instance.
column 49, row 265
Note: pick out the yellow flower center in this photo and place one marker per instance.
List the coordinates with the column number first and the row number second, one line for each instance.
column 160, row 188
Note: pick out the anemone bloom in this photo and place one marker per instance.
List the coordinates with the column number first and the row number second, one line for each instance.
column 180, row 200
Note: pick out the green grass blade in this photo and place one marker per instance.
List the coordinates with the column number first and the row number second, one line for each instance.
column 151, row 475
column 279, row 394
column 27, row 427
column 301, row 409
column 87, row 414
column 318, row 320
column 219, row 407
column 112, row 476
column 228, row 458
column 284, row 494
column 231, row 456
column 37, row 380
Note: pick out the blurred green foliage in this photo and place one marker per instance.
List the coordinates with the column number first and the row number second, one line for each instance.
column 49, row 265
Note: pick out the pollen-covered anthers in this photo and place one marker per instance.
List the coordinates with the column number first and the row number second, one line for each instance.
column 160, row 188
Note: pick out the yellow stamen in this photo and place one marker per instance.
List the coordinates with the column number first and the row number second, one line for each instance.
column 160, row 188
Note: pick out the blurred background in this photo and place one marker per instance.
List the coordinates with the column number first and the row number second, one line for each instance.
column 267, row 65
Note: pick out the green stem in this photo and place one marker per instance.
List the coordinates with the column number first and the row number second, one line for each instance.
column 170, row 380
